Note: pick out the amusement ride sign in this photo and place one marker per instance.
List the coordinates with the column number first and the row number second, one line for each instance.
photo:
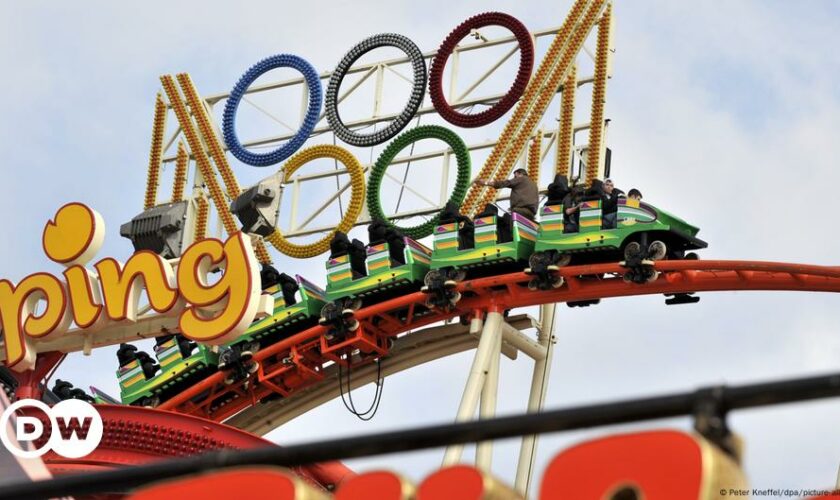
column 209, row 310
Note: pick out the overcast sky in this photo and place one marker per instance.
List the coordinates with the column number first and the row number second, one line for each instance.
column 725, row 113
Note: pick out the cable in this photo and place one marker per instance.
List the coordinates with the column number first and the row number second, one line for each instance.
column 313, row 83
column 526, row 64
column 418, row 89
column 368, row 414
column 407, row 166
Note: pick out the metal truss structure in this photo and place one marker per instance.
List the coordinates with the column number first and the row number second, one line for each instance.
column 300, row 224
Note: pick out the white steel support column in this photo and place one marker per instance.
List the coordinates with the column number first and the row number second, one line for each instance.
column 487, row 345
column 487, row 408
column 539, row 387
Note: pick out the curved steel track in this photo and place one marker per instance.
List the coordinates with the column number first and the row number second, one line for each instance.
column 298, row 373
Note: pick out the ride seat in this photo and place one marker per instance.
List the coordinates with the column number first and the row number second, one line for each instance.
column 396, row 246
column 504, row 223
column 269, row 276
column 147, row 363
column 288, row 286
column 379, row 232
column 358, row 254
column 466, row 227
column 341, row 245
column 185, row 345
column 557, row 190
column 63, row 389
column 126, row 354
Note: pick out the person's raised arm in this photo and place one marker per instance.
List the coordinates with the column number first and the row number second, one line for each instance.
column 496, row 184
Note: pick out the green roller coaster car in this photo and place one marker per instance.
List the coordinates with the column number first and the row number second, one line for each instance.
column 483, row 249
column 385, row 275
column 291, row 314
column 489, row 248
column 178, row 371
column 641, row 229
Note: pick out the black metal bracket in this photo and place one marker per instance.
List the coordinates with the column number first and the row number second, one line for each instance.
column 710, row 411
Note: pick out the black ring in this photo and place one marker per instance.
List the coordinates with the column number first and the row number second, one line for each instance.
column 418, row 90
column 526, row 64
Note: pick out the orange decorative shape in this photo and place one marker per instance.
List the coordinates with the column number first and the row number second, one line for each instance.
column 252, row 483
column 375, row 485
column 463, row 482
column 74, row 235
column 657, row 465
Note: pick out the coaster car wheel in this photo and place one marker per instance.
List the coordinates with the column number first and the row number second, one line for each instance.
column 458, row 274
column 432, row 277
column 657, row 250
column 562, row 259
column 329, row 312
column 633, row 249
column 538, row 259
column 149, row 401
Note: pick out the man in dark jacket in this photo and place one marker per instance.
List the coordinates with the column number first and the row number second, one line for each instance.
column 609, row 204
column 524, row 194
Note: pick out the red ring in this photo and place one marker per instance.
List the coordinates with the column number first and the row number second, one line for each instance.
column 526, row 64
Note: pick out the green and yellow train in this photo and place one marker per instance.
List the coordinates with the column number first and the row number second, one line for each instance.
column 181, row 363
column 360, row 275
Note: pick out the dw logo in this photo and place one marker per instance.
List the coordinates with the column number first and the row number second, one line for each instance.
column 75, row 429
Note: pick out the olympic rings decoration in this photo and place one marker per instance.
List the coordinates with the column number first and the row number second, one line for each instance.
column 526, row 64
column 313, row 82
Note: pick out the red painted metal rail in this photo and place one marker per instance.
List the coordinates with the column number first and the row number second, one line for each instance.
column 134, row 436
column 296, row 362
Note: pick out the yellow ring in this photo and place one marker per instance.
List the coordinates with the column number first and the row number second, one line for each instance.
column 357, row 198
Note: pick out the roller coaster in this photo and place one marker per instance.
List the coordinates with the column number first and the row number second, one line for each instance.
column 409, row 295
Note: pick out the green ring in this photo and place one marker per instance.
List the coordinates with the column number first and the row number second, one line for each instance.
column 462, row 182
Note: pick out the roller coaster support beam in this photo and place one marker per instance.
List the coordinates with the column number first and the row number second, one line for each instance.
column 487, row 407
column 488, row 346
column 30, row 382
column 521, row 342
column 536, row 400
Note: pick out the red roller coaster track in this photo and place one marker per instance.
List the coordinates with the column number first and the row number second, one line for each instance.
column 298, row 361
column 134, row 436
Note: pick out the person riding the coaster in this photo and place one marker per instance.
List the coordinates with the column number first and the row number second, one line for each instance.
column 524, row 194
column 609, row 202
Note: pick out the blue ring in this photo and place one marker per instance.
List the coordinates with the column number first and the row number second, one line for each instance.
column 313, row 81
